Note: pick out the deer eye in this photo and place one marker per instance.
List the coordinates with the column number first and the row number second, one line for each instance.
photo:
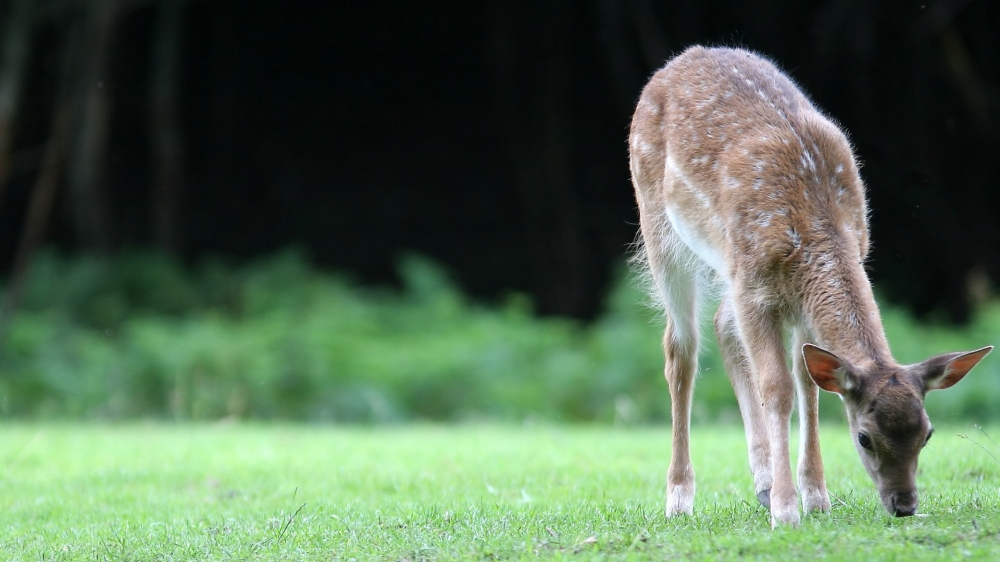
column 865, row 441
column 931, row 432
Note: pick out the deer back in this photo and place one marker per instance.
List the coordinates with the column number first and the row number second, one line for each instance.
column 753, row 171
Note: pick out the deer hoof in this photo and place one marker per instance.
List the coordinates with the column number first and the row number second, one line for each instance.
column 786, row 518
column 816, row 502
column 680, row 501
column 764, row 497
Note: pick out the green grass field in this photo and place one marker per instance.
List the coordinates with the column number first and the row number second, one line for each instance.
column 256, row 492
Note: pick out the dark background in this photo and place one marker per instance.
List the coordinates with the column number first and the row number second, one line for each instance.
column 487, row 135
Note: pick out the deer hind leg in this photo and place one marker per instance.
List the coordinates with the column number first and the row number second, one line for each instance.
column 812, row 484
column 676, row 285
column 680, row 349
column 760, row 331
column 745, row 386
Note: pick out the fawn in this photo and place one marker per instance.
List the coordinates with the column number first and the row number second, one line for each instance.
column 744, row 185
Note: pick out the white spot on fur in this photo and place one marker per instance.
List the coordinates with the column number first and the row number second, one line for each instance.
column 706, row 203
column 643, row 147
column 852, row 320
column 794, row 237
column 807, row 161
column 706, row 102
column 827, row 263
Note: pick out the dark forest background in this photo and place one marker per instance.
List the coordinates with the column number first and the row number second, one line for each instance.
column 489, row 135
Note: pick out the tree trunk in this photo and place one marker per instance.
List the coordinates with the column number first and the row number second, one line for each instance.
column 533, row 100
column 612, row 34
column 86, row 174
column 16, row 43
column 44, row 191
column 554, row 182
column 167, row 152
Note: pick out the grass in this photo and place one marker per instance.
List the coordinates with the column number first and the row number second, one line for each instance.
column 289, row 492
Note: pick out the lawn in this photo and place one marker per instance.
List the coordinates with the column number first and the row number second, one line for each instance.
column 292, row 492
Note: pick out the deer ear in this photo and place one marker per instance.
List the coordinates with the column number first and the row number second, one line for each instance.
column 943, row 371
column 829, row 372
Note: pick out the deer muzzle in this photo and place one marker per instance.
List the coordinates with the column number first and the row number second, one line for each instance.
column 901, row 504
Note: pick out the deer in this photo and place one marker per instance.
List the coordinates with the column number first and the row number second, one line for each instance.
column 745, row 188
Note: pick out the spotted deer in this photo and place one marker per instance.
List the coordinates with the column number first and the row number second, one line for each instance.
column 744, row 185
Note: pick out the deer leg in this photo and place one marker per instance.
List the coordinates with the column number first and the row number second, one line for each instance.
column 738, row 368
column 812, row 484
column 680, row 348
column 760, row 331
column 677, row 287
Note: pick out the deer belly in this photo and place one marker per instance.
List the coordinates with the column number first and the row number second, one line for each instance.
column 698, row 239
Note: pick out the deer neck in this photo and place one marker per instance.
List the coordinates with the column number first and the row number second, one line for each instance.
column 840, row 310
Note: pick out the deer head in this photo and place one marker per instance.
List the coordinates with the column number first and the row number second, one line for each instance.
column 885, row 411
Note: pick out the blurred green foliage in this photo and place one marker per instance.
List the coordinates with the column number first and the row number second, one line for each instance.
column 142, row 336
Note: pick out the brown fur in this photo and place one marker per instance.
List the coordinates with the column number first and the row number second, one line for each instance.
column 736, row 173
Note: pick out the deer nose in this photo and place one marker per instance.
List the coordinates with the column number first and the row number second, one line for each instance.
column 904, row 504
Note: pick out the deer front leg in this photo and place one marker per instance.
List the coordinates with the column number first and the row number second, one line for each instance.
column 748, row 397
column 760, row 331
column 812, row 484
